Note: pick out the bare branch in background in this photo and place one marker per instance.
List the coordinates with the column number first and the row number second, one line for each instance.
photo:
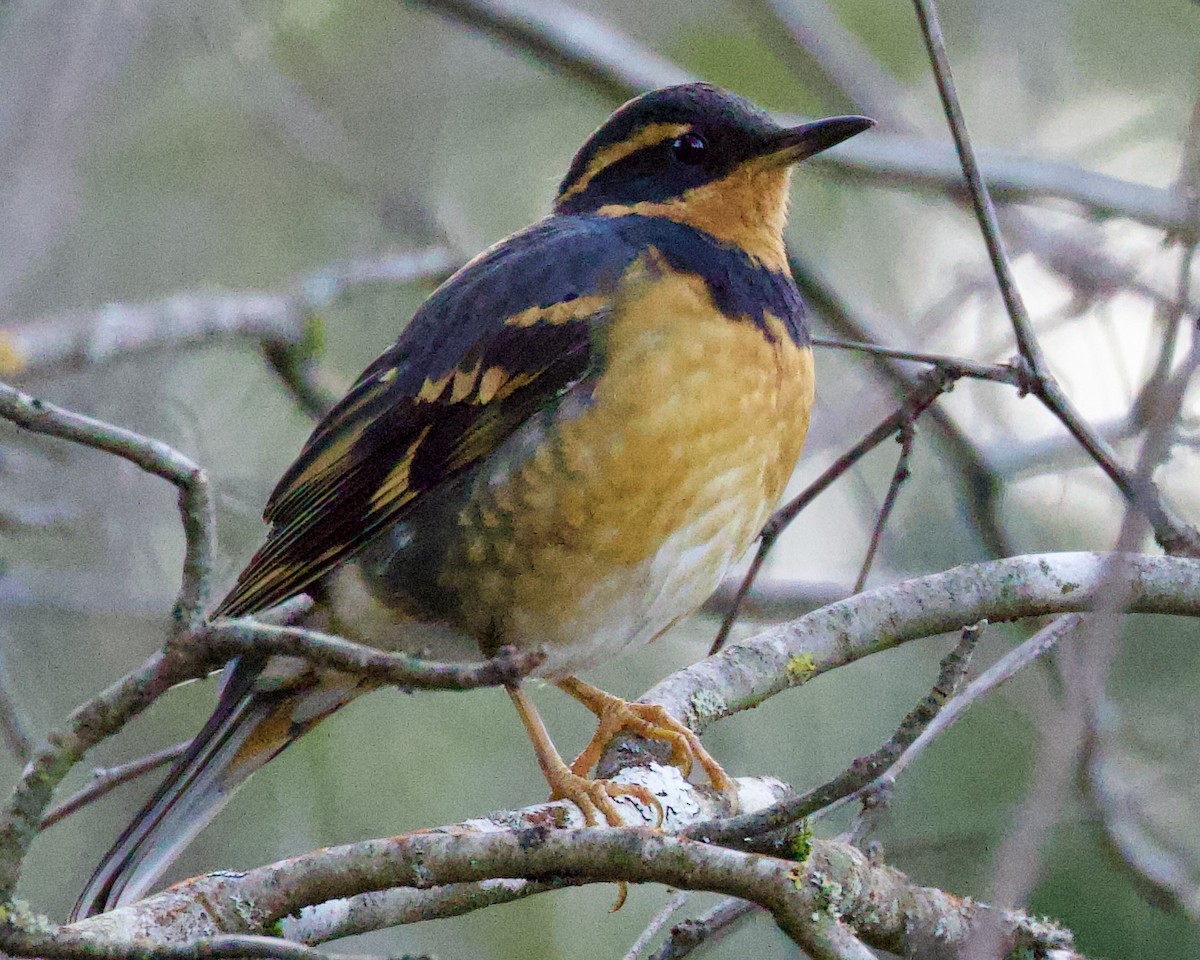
column 56, row 60
column 819, row 50
column 280, row 319
column 899, row 476
column 1157, row 862
column 617, row 66
column 708, row 929
column 1175, row 535
column 106, row 780
column 657, row 922
column 13, row 728
column 932, row 386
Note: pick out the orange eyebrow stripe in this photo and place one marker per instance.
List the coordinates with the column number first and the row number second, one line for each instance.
column 645, row 137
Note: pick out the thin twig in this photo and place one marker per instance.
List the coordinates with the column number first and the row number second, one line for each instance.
column 225, row 639
column 981, row 200
column 672, row 906
column 105, row 780
column 708, row 929
column 1172, row 532
column 13, row 728
column 1171, row 316
column 933, row 385
column 153, row 456
column 863, row 770
column 960, row 366
column 899, row 476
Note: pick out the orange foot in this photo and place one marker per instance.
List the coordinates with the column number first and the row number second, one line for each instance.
column 645, row 720
column 593, row 797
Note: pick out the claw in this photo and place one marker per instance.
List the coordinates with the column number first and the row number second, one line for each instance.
column 645, row 720
column 595, row 797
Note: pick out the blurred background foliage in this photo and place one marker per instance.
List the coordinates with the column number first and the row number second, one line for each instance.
column 170, row 147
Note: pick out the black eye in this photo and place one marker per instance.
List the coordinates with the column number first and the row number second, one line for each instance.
column 691, row 148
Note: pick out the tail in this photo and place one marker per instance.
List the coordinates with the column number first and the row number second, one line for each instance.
column 263, row 707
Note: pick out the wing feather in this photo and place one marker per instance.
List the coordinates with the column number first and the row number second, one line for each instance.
column 499, row 341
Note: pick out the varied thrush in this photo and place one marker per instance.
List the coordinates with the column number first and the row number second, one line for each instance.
column 571, row 442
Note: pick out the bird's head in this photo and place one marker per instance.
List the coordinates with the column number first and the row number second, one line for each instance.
column 699, row 155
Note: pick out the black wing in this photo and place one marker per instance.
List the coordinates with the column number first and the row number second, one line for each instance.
column 503, row 337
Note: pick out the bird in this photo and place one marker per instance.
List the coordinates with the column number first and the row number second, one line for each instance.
column 572, row 441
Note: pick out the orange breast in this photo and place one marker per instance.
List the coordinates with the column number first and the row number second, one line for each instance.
column 634, row 505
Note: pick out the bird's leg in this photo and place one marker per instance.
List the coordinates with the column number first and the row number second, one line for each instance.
column 645, row 720
column 593, row 797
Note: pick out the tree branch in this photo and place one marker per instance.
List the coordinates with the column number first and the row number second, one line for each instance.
column 711, row 927
column 900, row 475
column 863, row 770
column 153, row 456
column 814, row 902
column 282, row 318
column 106, row 780
column 226, row 639
column 746, row 673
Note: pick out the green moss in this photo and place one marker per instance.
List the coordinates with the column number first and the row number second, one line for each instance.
column 802, row 843
column 801, row 669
